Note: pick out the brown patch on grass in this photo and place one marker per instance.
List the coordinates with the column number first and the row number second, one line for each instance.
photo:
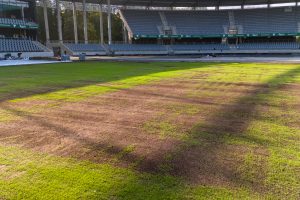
column 3, row 168
column 15, row 175
column 102, row 128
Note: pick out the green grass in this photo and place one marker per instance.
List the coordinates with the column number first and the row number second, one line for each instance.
column 270, row 139
column 29, row 175
column 79, row 80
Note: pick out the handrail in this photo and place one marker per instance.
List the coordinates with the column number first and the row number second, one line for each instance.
column 23, row 20
column 12, row 38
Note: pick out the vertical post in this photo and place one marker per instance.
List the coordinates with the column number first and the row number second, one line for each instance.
column 46, row 22
column 124, row 34
column 109, row 22
column 101, row 24
column 75, row 22
column 22, row 13
column 59, row 27
column 85, row 31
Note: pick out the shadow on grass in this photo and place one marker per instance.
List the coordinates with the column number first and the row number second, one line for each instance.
column 193, row 163
column 205, row 163
column 19, row 82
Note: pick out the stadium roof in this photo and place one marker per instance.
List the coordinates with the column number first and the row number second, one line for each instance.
column 189, row 3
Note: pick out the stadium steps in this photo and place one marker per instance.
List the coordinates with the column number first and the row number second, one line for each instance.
column 88, row 49
column 46, row 49
column 163, row 19
column 231, row 19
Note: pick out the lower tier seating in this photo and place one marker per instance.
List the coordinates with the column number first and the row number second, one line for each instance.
column 269, row 46
column 18, row 45
column 199, row 47
column 137, row 47
column 85, row 47
column 163, row 49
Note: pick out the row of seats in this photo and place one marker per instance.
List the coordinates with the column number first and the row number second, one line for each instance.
column 114, row 47
column 251, row 21
column 18, row 45
column 266, row 46
column 10, row 21
column 85, row 47
column 137, row 47
column 181, row 47
column 199, row 47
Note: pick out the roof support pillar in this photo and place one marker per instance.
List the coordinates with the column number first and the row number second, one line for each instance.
column 109, row 22
column 59, row 27
column 243, row 5
column 22, row 13
column 75, row 22
column 45, row 10
column 85, row 28
column 125, row 34
column 101, row 24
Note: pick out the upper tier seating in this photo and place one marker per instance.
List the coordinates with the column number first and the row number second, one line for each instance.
column 18, row 45
column 248, row 21
column 198, row 23
column 275, row 20
column 85, row 47
column 19, row 22
column 143, row 22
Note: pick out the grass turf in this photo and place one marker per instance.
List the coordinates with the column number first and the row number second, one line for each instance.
column 30, row 175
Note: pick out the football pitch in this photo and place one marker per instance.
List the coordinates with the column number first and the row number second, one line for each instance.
column 160, row 130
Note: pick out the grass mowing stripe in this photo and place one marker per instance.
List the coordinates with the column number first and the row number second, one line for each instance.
column 29, row 175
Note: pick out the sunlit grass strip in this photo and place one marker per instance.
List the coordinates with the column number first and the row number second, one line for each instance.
column 80, row 93
column 29, row 175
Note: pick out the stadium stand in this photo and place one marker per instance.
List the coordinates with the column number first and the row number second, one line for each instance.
column 269, row 46
column 117, row 49
column 199, row 47
column 275, row 20
column 18, row 45
column 86, row 47
column 265, row 30
column 142, row 22
column 195, row 23
column 18, row 34
column 126, row 49
column 155, row 49
column 158, row 30
column 19, row 22
column 252, row 21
